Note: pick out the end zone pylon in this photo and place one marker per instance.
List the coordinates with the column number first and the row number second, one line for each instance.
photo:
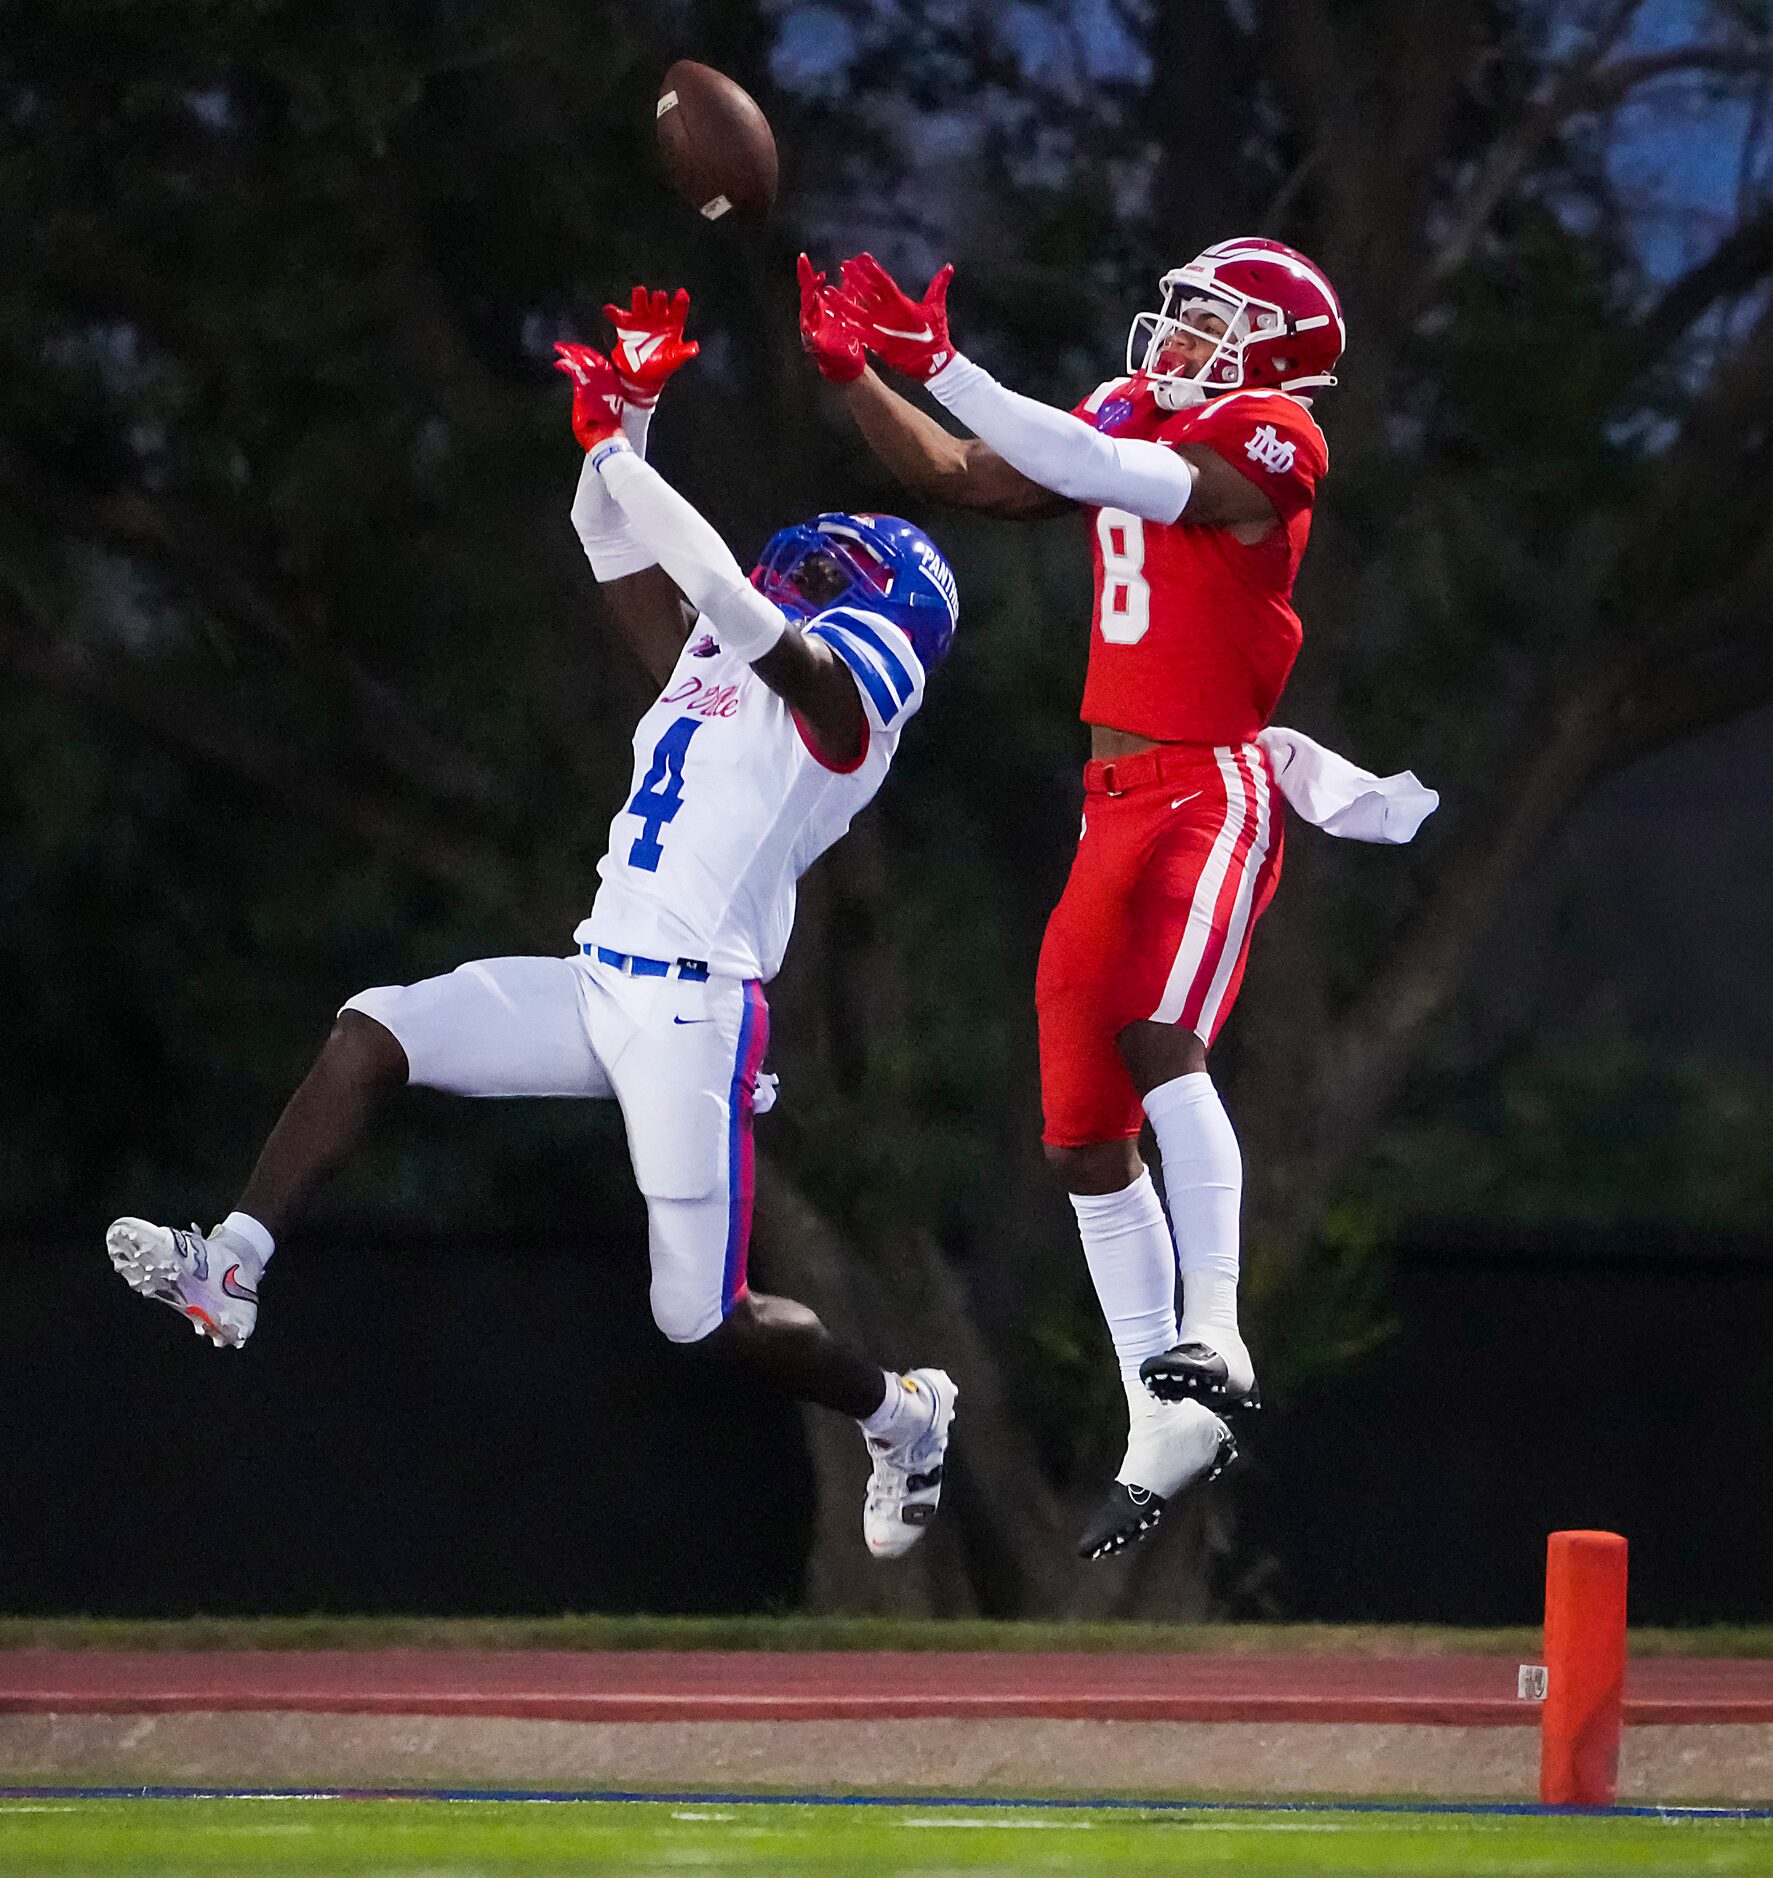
column 1584, row 1713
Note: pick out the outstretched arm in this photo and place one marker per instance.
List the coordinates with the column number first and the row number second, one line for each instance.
column 650, row 617
column 964, row 472
column 1050, row 448
column 927, row 459
column 642, row 600
column 804, row 673
column 657, row 533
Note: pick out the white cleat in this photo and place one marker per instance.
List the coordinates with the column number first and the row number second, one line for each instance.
column 1171, row 1446
column 211, row 1281
column 906, row 1483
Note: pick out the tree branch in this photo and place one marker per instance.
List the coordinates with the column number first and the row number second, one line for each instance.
column 1739, row 262
column 1580, row 89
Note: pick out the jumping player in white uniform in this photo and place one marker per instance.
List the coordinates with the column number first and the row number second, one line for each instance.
column 778, row 717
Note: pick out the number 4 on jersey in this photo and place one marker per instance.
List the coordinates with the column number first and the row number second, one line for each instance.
column 660, row 794
column 1126, row 597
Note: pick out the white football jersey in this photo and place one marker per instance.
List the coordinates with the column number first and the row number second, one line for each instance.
column 729, row 806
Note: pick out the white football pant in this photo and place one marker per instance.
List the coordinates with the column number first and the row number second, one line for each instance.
column 681, row 1055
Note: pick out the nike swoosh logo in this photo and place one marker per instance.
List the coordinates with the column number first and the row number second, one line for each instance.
column 1181, row 799
column 692, row 1020
column 232, row 1290
column 893, row 332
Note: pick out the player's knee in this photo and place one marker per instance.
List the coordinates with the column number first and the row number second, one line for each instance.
column 1158, row 1053
column 1095, row 1166
column 755, row 1316
column 683, row 1314
column 364, row 1051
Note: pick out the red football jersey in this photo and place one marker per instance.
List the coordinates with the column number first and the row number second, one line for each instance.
column 1194, row 633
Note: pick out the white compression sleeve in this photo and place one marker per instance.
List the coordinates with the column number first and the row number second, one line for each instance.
column 603, row 530
column 689, row 550
column 1063, row 453
column 637, row 420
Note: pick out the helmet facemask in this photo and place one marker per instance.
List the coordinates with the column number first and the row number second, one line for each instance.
column 1192, row 290
column 804, row 570
column 1183, row 303
column 874, row 563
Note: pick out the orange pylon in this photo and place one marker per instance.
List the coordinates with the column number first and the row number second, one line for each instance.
column 1584, row 1713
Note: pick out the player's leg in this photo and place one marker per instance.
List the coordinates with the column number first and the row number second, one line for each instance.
column 1203, row 891
column 324, row 1120
column 496, row 1027
column 1092, row 1121
column 687, row 1090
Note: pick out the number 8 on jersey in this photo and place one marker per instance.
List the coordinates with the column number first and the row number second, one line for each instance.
column 1126, row 599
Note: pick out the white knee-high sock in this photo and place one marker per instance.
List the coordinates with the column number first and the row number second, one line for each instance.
column 1204, row 1184
column 1132, row 1261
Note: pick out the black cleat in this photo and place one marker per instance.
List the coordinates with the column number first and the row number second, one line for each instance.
column 1198, row 1370
column 1128, row 1514
column 1125, row 1517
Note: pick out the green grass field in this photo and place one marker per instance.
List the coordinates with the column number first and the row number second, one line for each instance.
column 456, row 1840
column 593, row 1632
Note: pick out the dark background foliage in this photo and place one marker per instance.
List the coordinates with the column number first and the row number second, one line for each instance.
column 305, row 690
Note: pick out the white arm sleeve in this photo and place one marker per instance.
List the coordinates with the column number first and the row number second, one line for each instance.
column 1063, row 453
column 602, row 528
column 676, row 537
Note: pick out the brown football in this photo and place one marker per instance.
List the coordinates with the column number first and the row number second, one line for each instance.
column 717, row 145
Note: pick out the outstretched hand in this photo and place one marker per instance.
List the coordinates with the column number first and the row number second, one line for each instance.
column 650, row 345
column 835, row 346
column 597, row 393
column 909, row 335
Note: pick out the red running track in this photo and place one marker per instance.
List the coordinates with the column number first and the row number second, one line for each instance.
column 647, row 1686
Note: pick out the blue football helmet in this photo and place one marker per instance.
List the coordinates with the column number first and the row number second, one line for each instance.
column 875, row 562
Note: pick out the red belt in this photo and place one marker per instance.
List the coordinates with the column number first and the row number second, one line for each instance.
column 1170, row 763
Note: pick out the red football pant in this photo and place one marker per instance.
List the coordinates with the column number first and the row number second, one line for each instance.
column 1180, row 853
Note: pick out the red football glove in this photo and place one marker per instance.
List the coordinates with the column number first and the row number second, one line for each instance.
column 597, row 393
column 650, row 345
column 909, row 335
column 835, row 346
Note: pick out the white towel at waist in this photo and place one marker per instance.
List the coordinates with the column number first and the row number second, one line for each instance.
column 1340, row 797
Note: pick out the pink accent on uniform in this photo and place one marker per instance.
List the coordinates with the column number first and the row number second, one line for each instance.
column 754, row 1044
column 805, row 732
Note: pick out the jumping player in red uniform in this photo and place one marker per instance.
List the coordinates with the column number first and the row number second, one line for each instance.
column 1197, row 470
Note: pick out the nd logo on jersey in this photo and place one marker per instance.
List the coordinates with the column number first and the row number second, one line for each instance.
column 1270, row 450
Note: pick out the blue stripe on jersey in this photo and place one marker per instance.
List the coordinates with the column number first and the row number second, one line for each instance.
column 861, row 665
column 865, row 630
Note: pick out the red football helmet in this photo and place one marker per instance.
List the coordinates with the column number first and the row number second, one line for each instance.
column 1283, row 322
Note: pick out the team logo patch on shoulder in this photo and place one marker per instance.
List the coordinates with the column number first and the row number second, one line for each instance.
column 1270, row 450
column 707, row 647
column 1113, row 414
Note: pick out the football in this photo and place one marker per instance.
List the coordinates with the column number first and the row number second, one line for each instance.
column 716, row 143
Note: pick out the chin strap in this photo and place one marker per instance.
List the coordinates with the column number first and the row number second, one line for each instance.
column 1178, row 394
